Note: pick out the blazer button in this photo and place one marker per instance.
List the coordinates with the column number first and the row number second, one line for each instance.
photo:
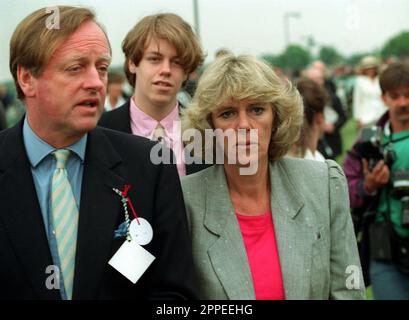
column 318, row 235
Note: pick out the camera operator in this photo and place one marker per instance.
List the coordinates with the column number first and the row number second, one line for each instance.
column 377, row 169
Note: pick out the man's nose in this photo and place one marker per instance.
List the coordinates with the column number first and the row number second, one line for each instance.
column 165, row 67
column 94, row 79
column 402, row 101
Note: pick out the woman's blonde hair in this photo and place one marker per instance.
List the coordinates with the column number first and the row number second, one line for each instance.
column 246, row 78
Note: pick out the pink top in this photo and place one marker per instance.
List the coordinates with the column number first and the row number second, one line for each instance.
column 144, row 125
column 260, row 243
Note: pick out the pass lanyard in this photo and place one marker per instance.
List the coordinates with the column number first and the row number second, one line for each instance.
column 125, row 200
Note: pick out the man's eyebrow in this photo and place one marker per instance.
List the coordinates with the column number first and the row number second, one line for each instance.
column 84, row 58
column 159, row 54
column 154, row 52
column 105, row 57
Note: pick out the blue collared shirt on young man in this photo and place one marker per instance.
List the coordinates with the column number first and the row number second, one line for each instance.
column 42, row 168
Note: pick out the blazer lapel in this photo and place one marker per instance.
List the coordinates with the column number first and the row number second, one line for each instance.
column 98, row 214
column 294, row 233
column 234, row 273
column 21, row 214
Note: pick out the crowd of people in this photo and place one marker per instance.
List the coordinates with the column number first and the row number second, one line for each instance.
column 246, row 200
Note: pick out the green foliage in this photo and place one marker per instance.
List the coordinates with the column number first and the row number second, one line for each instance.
column 294, row 57
column 397, row 46
column 329, row 55
column 269, row 58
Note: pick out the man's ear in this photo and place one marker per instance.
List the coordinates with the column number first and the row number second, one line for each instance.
column 131, row 67
column 26, row 81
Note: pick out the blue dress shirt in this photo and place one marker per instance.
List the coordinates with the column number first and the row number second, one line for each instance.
column 42, row 168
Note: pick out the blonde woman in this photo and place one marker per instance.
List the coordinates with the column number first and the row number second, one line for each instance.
column 282, row 232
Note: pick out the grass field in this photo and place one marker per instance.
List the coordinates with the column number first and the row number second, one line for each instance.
column 349, row 133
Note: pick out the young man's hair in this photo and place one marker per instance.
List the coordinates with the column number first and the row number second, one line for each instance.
column 34, row 41
column 394, row 77
column 166, row 26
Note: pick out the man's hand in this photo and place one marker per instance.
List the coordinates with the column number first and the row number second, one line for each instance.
column 378, row 177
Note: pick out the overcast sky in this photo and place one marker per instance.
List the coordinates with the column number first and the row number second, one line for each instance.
column 244, row 26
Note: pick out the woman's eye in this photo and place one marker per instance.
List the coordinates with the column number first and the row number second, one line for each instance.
column 227, row 114
column 257, row 110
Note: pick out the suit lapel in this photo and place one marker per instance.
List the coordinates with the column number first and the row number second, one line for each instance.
column 294, row 234
column 98, row 214
column 21, row 214
column 234, row 273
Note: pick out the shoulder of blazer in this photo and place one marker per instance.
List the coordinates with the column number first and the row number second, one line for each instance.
column 127, row 143
column 196, row 179
column 11, row 145
column 309, row 179
column 118, row 119
column 301, row 169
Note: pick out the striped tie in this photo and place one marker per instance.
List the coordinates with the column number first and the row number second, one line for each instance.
column 65, row 219
column 159, row 133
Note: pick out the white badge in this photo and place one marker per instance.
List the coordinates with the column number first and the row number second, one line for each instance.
column 131, row 260
column 141, row 232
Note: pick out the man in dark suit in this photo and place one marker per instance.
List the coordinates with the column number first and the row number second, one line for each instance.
column 3, row 122
column 161, row 51
column 66, row 185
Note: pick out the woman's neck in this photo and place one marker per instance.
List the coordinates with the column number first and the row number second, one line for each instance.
column 250, row 194
column 312, row 142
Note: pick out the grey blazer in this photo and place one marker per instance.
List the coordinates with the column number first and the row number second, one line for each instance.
column 315, row 237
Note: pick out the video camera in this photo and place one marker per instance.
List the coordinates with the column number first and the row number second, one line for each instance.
column 400, row 190
column 370, row 147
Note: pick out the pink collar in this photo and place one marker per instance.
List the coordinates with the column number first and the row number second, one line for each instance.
column 144, row 125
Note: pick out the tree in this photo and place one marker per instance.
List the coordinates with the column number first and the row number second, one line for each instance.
column 397, row 46
column 294, row 57
column 269, row 58
column 329, row 55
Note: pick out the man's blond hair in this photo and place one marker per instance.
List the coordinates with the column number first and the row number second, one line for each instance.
column 34, row 42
